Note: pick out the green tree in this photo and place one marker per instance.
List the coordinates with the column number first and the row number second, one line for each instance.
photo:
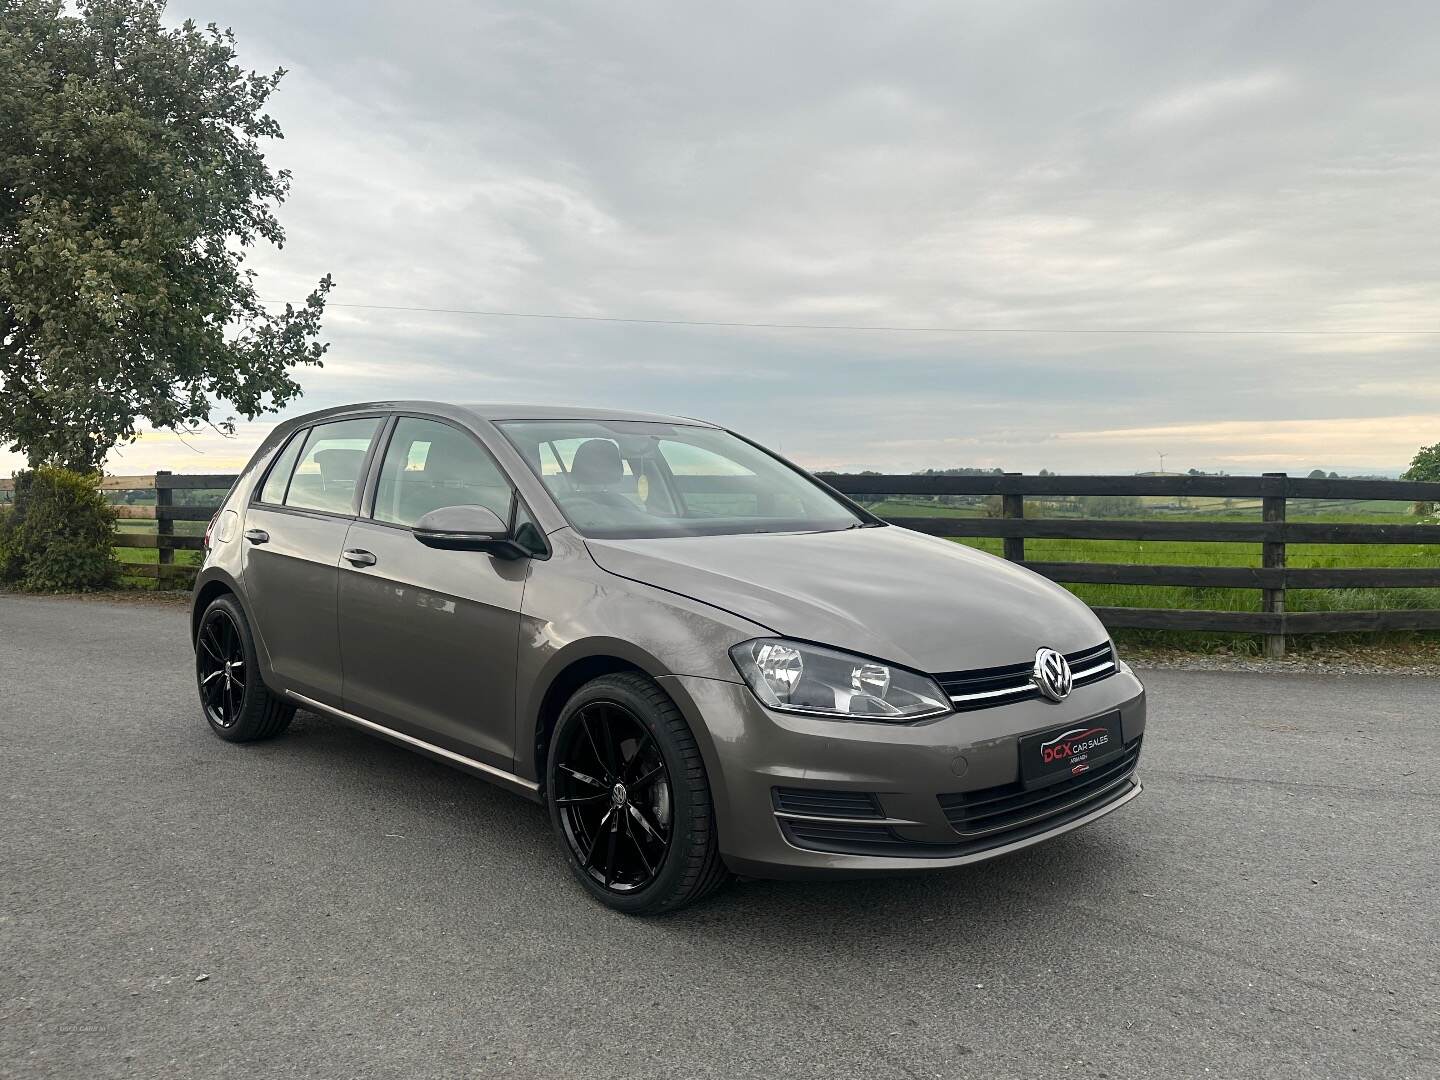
column 132, row 183
column 1425, row 465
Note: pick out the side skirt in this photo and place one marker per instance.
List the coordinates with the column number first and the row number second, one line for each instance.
column 508, row 780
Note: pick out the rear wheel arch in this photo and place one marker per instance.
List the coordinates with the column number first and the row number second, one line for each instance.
column 221, row 584
column 207, row 595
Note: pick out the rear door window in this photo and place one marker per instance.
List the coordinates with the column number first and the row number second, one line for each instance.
column 327, row 476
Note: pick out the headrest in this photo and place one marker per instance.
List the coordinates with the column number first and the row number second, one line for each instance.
column 449, row 461
column 340, row 466
column 597, row 462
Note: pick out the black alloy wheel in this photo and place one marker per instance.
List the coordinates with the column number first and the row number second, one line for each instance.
column 238, row 705
column 629, row 798
column 221, row 668
column 613, row 794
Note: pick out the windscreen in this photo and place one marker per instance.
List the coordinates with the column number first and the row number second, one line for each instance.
column 634, row 480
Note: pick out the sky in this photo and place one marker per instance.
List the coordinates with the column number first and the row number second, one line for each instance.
column 1060, row 180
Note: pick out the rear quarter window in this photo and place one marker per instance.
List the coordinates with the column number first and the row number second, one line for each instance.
column 278, row 479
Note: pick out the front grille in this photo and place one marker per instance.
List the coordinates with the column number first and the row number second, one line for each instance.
column 992, row 811
column 837, row 804
column 986, row 688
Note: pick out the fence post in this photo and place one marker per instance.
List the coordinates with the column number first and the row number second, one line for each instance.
column 1272, row 511
column 1013, row 506
column 164, row 526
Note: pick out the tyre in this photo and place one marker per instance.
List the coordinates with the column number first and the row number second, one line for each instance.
column 629, row 798
column 238, row 705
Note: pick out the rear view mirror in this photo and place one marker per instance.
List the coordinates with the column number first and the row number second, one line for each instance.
column 467, row 528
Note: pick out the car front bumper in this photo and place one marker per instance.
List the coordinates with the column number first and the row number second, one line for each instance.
column 911, row 772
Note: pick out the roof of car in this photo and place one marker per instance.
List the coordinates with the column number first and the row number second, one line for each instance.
column 497, row 411
column 508, row 411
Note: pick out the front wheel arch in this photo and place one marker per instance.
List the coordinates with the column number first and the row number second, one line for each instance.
column 561, row 689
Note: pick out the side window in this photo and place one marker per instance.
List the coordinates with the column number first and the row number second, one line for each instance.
column 328, row 471
column 273, row 490
column 429, row 465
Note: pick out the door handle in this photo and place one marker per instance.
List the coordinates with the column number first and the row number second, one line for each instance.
column 360, row 557
column 257, row 536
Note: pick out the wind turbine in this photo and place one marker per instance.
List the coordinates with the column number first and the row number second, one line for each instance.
column 1162, row 460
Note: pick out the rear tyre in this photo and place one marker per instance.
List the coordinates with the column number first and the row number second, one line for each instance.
column 238, row 706
column 629, row 799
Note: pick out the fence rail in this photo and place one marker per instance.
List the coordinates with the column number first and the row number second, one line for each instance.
column 1225, row 487
column 1273, row 578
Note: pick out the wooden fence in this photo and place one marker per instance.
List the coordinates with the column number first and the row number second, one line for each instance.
column 1273, row 532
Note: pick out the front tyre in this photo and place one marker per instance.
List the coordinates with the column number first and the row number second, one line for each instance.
column 238, row 706
column 629, row 798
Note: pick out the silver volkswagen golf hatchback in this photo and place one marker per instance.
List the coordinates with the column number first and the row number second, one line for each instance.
column 701, row 659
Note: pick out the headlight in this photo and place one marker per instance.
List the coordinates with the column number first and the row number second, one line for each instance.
column 795, row 677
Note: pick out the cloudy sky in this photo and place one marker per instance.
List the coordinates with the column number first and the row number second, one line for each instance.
column 1058, row 179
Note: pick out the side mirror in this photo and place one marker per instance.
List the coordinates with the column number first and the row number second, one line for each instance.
column 467, row 528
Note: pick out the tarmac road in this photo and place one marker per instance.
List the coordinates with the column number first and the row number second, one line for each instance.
column 328, row 905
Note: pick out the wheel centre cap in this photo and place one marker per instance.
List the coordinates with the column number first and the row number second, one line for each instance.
column 618, row 794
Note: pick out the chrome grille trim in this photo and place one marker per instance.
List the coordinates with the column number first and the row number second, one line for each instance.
column 789, row 816
column 990, row 687
column 988, row 693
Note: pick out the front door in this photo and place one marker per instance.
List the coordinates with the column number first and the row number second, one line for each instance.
column 294, row 531
column 428, row 638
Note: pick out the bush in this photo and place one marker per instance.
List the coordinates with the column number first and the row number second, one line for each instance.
column 59, row 534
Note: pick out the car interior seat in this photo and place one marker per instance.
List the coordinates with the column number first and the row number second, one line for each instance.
column 333, row 488
column 597, row 473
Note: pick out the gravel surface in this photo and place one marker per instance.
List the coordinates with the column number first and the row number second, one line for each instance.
column 1421, row 658
column 328, row 905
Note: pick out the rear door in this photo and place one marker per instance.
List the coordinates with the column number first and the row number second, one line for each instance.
column 294, row 531
column 428, row 637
